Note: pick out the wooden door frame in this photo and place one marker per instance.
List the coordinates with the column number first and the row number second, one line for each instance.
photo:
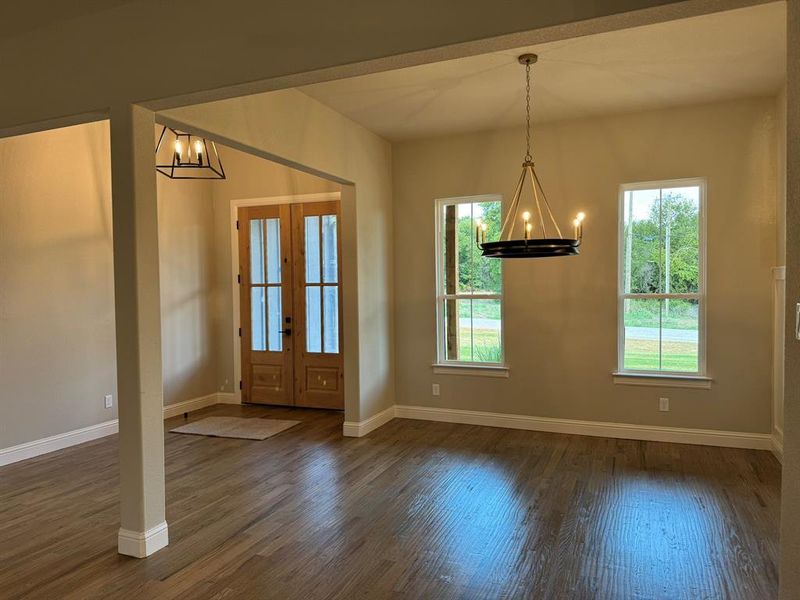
column 234, row 234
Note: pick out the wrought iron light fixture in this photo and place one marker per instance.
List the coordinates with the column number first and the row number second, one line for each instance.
column 185, row 156
column 539, row 239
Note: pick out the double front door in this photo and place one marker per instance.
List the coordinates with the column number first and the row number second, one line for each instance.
column 291, row 299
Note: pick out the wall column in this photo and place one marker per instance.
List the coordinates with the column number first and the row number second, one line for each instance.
column 790, row 498
column 137, row 301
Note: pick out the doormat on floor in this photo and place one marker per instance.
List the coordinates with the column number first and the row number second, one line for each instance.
column 236, row 427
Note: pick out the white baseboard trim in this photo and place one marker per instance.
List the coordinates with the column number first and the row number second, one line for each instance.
column 143, row 543
column 705, row 437
column 227, row 398
column 57, row 442
column 362, row 428
column 173, row 410
column 92, row 432
column 777, row 444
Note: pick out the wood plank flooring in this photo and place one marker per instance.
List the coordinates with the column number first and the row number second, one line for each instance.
column 414, row 510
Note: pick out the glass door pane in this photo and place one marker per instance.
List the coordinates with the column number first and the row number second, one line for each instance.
column 321, row 279
column 273, row 250
column 312, row 249
column 330, row 260
column 265, row 282
column 313, row 325
column 258, row 322
column 330, row 324
column 274, row 318
column 257, row 251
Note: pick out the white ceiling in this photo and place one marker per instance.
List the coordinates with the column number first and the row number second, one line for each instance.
column 691, row 61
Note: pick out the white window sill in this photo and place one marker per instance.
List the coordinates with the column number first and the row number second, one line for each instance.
column 662, row 380
column 467, row 369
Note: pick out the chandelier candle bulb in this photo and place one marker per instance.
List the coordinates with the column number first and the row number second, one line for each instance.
column 178, row 151
column 578, row 223
column 198, row 150
column 480, row 231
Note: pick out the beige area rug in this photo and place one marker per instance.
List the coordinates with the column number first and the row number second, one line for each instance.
column 236, row 427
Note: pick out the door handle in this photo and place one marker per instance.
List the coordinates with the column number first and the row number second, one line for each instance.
column 797, row 321
column 287, row 331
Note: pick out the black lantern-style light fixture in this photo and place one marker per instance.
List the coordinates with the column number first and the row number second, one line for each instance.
column 541, row 235
column 186, row 156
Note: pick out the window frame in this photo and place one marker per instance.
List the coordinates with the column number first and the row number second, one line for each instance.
column 441, row 296
column 702, row 289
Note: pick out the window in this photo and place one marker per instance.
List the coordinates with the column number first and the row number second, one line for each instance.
column 469, row 298
column 662, row 284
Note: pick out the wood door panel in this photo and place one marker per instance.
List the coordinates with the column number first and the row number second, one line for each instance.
column 268, row 376
column 322, row 379
column 268, row 365
column 320, row 374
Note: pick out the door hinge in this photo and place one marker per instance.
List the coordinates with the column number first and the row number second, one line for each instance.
column 239, row 278
column 240, row 384
column 237, row 224
column 240, row 332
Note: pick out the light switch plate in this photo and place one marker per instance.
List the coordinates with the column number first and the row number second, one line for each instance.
column 109, row 400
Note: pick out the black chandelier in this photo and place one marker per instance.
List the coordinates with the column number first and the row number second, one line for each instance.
column 536, row 241
column 185, row 156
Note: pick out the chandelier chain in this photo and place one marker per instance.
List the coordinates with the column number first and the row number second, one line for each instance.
column 528, row 157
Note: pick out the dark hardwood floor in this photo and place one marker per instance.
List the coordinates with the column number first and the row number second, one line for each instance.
column 414, row 510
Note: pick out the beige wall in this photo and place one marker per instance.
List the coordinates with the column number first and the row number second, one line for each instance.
column 561, row 315
column 188, row 313
column 196, row 267
column 57, row 353
column 298, row 130
column 249, row 177
column 57, row 357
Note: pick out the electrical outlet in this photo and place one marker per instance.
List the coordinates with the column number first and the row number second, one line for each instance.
column 109, row 400
column 435, row 389
column 663, row 404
